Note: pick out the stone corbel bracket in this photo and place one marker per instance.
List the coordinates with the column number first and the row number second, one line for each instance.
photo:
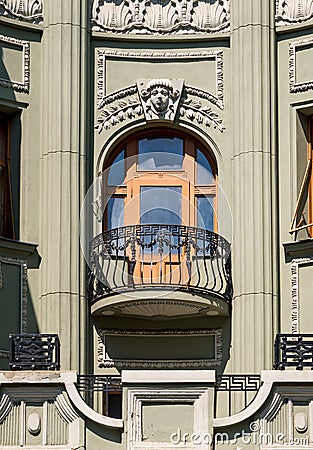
column 25, row 10
column 292, row 12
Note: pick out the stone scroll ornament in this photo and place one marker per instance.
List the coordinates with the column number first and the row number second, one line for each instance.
column 25, row 10
column 158, row 99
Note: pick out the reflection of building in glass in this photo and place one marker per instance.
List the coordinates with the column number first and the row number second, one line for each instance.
column 156, row 210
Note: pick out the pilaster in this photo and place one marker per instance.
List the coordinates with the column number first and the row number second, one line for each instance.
column 254, row 185
column 65, row 50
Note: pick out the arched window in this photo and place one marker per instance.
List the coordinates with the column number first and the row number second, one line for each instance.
column 160, row 178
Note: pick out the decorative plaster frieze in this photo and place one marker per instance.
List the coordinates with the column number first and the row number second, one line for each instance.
column 290, row 12
column 23, row 281
column 295, row 326
column 161, row 17
column 104, row 361
column 23, row 85
column 26, row 10
column 293, row 84
column 293, row 47
column 217, row 55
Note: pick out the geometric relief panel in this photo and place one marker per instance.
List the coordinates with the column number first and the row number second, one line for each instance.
column 37, row 418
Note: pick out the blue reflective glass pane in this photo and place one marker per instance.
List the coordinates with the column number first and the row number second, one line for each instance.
column 115, row 212
column 160, row 205
column 204, row 169
column 116, row 171
column 205, row 212
column 160, row 154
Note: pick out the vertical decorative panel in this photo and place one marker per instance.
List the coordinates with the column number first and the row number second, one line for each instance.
column 10, row 427
column 57, row 428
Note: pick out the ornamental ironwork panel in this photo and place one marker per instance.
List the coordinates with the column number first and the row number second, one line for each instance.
column 99, row 389
column 34, row 352
column 238, row 383
column 293, row 350
column 169, row 256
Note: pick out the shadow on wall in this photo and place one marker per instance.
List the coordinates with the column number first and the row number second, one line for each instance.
column 16, row 303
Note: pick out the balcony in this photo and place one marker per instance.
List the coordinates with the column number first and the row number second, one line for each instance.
column 187, row 269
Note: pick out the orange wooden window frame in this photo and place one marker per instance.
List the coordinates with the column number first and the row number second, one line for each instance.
column 135, row 178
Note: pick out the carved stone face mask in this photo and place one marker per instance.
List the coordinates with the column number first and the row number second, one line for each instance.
column 160, row 98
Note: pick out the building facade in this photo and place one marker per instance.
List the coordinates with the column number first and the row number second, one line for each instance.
column 156, row 224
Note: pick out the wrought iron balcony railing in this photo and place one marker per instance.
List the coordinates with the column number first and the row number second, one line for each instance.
column 168, row 256
column 293, row 350
column 241, row 389
column 102, row 393
column 34, row 352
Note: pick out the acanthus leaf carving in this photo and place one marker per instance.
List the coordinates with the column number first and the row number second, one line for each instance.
column 161, row 16
column 138, row 100
column 195, row 111
column 293, row 11
column 118, row 112
column 28, row 10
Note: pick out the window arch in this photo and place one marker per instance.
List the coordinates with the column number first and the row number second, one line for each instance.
column 160, row 177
